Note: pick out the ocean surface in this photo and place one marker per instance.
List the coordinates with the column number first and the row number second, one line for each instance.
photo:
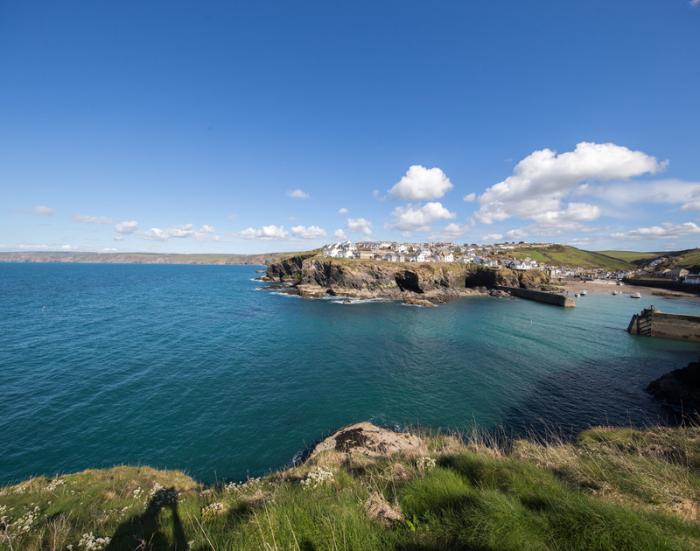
column 195, row 368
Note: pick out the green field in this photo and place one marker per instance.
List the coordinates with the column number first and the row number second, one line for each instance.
column 564, row 255
column 631, row 256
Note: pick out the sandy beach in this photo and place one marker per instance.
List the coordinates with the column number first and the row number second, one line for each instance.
column 607, row 287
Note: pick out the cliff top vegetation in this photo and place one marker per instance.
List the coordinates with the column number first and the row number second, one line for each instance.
column 365, row 488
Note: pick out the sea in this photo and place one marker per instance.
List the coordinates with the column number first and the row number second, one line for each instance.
column 199, row 368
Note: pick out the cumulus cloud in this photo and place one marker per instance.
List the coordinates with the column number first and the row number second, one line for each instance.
column 265, row 233
column 88, row 219
column 360, row 225
column 421, row 184
column 343, row 210
column 310, row 232
column 126, row 227
column 542, row 180
column 340, row 235
column 667, row 230
column 470, row 197
column 492, row 237
column 42, row 210
column 204, row 233
column 412, row 218
column 298, row 194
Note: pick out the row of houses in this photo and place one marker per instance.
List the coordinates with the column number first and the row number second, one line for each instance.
column 424, row 252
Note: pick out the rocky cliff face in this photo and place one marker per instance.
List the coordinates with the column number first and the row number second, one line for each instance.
column 436, row 282
column 287, row 269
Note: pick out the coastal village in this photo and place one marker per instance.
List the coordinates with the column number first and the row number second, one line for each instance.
column 506, row 255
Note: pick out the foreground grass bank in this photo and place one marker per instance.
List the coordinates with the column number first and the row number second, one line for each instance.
column 365, row 488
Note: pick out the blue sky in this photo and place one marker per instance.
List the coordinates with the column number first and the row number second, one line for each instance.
column 246, row 127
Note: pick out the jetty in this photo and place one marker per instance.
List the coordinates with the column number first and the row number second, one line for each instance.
column 556, row 299
column 650, row 322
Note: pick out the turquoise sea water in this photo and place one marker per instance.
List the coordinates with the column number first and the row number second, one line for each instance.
column 191, row 367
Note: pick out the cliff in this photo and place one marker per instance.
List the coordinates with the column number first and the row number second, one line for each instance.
column 369, row 488
column 315, row 276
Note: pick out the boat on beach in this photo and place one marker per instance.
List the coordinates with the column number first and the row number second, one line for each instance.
column 635, row 295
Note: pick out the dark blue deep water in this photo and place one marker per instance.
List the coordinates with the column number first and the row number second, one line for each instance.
column 191, row 367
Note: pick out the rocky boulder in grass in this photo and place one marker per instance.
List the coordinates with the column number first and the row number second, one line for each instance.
column 365, row 441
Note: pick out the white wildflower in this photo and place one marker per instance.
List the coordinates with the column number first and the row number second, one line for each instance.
column 156, row 488
column 213, row 510
column 55, row 483
column 425, row 463
column 90, row 542
column 318, row 477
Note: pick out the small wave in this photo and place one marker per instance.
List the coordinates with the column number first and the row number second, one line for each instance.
column 351, row 301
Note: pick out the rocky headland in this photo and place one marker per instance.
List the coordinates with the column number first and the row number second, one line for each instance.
column 315, row 276
column 680, row 388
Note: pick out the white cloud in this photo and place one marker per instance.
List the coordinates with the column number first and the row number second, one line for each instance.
column 343, row 211
column 695, row 2
column 491, row 237
column 310, row 232
column 109, row 250
column 410, row 218
column 470, row 197
column 451, row 231
column 126, row 227
column 265, row 233
column 541, row 181
column 670, row 191
column 360, row 225
column 298, row 194
column 518, row 233
column 340, row 235
column 87, row 219
column 667, row 230
column 204, row 233
column 420, row 184
column 42, row 210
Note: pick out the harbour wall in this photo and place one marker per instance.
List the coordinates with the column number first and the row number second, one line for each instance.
column 541, row 296
column 652, row 323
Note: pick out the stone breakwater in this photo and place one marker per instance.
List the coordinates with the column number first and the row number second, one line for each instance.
column 421, row 284
column 652, row 323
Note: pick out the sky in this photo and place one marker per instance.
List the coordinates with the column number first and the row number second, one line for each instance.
column 243, row 127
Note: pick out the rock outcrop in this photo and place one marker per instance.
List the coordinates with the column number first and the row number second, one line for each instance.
column 316, row 276
column 287, row 269
column 680, row 387
column 363, row 442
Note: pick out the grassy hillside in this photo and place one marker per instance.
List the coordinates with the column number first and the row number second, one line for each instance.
column 613, row 489
column 689, row 259
column 633, row 257
column 564, row 255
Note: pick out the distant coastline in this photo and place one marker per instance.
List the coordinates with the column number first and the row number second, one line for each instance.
column 139, row 258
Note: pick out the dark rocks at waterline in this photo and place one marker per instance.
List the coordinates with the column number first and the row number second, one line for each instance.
column 680, row 388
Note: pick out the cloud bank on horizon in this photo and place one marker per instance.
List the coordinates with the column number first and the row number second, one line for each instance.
column 579, row 195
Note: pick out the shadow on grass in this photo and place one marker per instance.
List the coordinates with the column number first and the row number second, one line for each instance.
column 143, row 532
